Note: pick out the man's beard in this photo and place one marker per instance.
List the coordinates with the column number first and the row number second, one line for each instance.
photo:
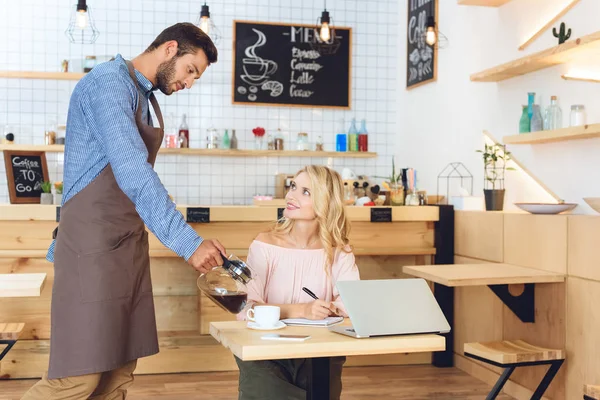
column 164, row 76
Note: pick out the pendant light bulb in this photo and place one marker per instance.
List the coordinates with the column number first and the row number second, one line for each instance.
column 205, row 19
column 431, row 35
column 325, row 31
column 82, row 19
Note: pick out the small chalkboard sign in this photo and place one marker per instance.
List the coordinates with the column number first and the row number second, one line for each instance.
column 421, row 58
column 25, row 171
column 383, row 214
column 280, row 213
column 198, row 214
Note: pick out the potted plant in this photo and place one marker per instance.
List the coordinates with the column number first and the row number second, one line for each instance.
column 58, row 189
column 495, row 158
column 394, row 184
column 46, row 196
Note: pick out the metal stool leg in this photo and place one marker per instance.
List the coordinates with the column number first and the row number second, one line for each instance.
column 554, row 367
column 9, row 344
column 500, row 383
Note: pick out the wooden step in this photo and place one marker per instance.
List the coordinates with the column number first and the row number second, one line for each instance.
column 592, row 391
column 512, row 351
column 11, row 330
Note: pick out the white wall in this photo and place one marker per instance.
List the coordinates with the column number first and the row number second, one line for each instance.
column 32, row 38
column 443, row 121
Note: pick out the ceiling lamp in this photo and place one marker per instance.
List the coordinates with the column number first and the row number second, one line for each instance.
column 324, row 25
column 206, row 24
column 82, row 28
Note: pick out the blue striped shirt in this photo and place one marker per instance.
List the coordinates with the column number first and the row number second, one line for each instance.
column 101, row 130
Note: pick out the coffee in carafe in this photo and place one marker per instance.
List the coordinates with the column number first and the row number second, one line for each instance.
column 225, row 285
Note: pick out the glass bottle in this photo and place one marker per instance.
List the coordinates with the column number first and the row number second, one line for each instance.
column 270, row 142
column 553, row 117
column 233, row 143
column 537, row 123
column 170, row 132
column 524, row 122
column 184, row 131
column 302, row 141
column 353, row 136
column 278, row 140
column 578, row 116
column 50, row 133
column 363, row 138
column 341, row 139
column 226, row 142
column 319, row 144
column 530, row 102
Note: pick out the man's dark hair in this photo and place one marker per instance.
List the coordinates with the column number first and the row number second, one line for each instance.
column 189, row 39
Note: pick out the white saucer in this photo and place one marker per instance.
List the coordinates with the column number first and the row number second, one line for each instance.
column 254, row 325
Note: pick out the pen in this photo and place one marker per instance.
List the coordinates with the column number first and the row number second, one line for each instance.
column 311, row 294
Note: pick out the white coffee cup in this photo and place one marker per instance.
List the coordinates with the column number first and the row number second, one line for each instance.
column 264, row 316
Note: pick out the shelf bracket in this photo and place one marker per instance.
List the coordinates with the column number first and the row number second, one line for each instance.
column 523, row 305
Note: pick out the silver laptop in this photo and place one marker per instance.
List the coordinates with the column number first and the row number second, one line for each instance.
column 390, row 307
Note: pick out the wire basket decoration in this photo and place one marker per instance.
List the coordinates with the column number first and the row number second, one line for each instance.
column 452, row 173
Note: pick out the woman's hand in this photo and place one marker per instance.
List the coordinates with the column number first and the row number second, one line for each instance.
column 317, row 309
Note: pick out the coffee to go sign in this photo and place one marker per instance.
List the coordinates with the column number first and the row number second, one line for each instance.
column 25, row 172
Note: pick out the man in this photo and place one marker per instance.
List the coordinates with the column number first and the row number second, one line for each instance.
column 102, row 305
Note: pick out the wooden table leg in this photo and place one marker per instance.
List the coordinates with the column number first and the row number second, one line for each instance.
column 320, row 379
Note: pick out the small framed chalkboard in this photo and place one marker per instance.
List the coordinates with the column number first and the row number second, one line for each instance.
column 198, row 214
column 421, row 58
column 383, row 214
column 280, row 213
column 289, row 65
column 25, row 171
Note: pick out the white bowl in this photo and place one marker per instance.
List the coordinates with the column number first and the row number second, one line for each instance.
column 593, row 202
column 546, row 208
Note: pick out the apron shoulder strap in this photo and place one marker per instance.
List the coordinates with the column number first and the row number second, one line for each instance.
column 138, row 111
column 157, row 111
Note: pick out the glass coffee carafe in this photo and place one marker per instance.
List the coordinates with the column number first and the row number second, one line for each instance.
column 226, row 284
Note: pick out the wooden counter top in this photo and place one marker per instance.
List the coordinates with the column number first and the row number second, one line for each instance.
column 21, row 285
column 37, row 212
column 482, row 274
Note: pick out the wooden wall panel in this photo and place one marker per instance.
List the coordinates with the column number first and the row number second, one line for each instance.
column 25, row 235
column 479, row 235
column 536, row 241
column 477, row 315
column 172, row 276
column 176, row 313
column 583, row 327
column 547, row 331
column 583, row 255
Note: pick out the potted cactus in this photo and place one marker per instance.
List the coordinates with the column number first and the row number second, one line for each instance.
column 562, row 35
column 46, row 197
column 58, row 189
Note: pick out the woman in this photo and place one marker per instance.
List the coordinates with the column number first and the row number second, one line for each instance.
column 309, row 248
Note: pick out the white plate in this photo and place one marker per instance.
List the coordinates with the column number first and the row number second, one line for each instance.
column 254, row 325
column 543, row 208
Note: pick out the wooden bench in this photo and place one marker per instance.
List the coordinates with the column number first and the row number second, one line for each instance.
column 9, row 334
column 511, row 354
column 591, row 392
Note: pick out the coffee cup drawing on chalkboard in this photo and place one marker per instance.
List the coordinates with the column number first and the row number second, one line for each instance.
column 258, row 71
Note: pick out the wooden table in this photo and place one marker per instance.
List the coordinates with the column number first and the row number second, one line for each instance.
column 496, row 276
column 247, row 345
column 22, row 285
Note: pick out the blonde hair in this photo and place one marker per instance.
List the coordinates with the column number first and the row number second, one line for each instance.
column 328, row 203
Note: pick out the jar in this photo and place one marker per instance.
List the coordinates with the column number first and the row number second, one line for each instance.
column 319, row 144
column 50, row 132
column 270, row 142
column 302, row 141
column 578, row 116
column 278, row 142
column 212, row 139
column 396, row 194
column 89, row 63
column 226, row 286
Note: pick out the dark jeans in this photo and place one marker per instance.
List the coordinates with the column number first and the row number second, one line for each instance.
column 284, row 379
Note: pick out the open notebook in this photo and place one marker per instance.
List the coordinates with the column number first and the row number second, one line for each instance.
column 329, row 321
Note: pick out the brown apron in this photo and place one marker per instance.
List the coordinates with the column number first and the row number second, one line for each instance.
column 102, row 304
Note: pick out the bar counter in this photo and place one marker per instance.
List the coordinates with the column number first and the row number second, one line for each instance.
column 183, row 314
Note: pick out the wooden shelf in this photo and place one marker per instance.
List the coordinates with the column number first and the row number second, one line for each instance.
column 63, row 76
column 557, row 135
column 482, row 274
column 560, row 54
column 483, row 3
column 212, row 152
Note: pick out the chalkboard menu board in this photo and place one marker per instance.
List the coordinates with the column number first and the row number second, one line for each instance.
column 282, row 64
column 25, row 170
column 421, row 58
